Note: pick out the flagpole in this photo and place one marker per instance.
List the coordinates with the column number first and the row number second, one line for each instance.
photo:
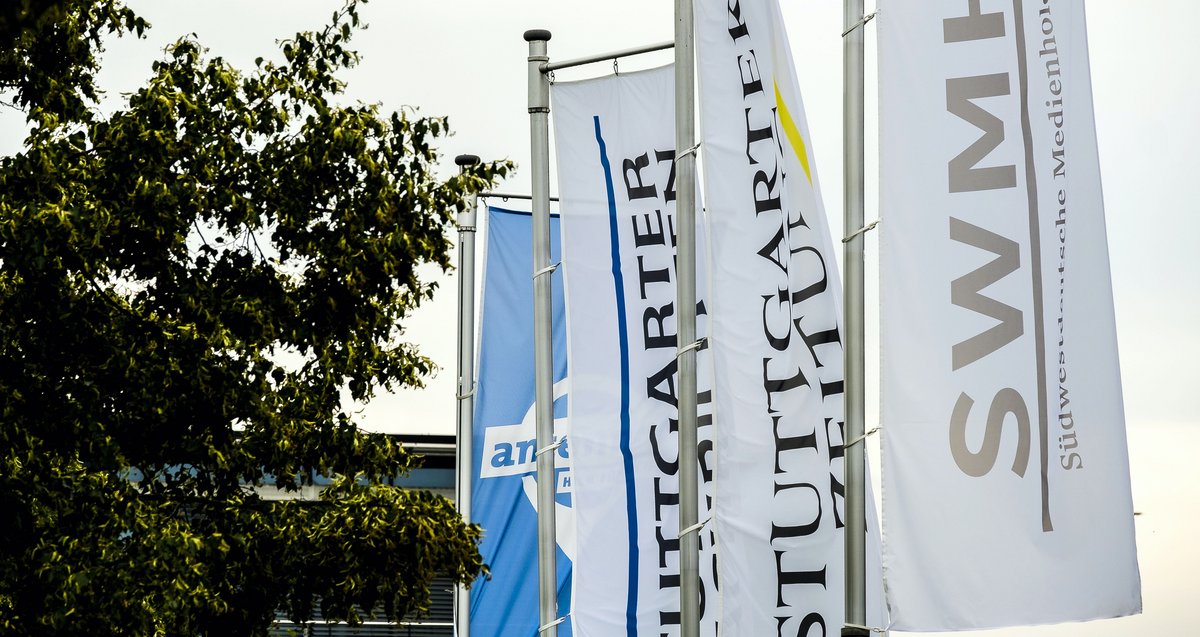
column 539, row 124
column 466, row 378
column 855, row 359
column 685, row 213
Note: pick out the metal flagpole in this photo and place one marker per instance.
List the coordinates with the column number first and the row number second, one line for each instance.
column 539, row 124
column 466, row 378
column 685, row 213
column 853, row 153
column 539, row 68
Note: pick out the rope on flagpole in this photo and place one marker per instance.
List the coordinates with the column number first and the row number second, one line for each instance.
column 695, row 527
column 874, row 629
column 546, row 270
column 860, row 438
column 862, row 22
column 553, row 624
column 687, row 152
column 863, row 230
column 548, row 448
column 697, row 344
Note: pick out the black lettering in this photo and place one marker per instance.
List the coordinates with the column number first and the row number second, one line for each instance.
column 836, row 487
column 789, row 443
column 668, row 156
column 656, row 317
column 662, row 499
column 806, row 624
column 751, row 78
column 767, row 201
column 794, row 578
column 661, row 275
column 666, row 467
column 737, row 27
column 778, row 343
column 755, row 135
column 797, row 530
column 635, row 166
column 817, row 287
column 778, row 385
column 666, row 376
column 825, row 337
column 652, row 236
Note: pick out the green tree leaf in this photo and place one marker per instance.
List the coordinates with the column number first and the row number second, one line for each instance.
column 188, row 288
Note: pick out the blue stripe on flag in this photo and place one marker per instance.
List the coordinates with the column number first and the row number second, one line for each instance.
column 622, row 338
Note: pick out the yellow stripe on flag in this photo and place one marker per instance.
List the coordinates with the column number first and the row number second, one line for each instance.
column 793, row 133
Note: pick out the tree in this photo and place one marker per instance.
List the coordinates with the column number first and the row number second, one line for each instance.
column 190, row 287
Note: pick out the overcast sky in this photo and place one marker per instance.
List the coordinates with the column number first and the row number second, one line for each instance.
column 466, row 59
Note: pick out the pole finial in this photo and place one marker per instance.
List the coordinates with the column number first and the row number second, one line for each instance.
column 534, row 35
column 466, row 160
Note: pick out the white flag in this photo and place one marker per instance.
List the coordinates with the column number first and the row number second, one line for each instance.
column 775, row 307
column 615, row 146
column 1006, row 471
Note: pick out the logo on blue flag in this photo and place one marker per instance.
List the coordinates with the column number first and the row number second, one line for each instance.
column 504, row 485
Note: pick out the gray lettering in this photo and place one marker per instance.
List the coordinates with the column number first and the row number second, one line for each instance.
column 964, row 176
column 965, row 293
column 976, row 25
column 975, row 464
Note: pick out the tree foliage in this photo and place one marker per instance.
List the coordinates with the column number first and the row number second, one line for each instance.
column 190, row 288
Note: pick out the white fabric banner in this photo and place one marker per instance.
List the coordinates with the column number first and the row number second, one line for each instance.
column 775, row 307
column 1006, row 476
column 615, row 146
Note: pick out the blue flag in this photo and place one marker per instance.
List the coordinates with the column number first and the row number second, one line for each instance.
column 503, row 470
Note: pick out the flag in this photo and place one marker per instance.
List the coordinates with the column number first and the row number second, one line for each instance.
column 1006, row 469
column 615, row 147
column 505, row 604
column 775, row 311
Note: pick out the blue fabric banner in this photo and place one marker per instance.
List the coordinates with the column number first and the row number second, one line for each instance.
column 503, row 470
